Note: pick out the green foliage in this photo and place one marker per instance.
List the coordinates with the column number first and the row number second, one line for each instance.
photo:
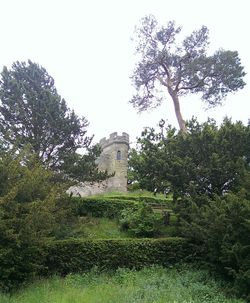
column 142, row 198
column 83, row 167
column 33, row 209
column 71, row 256
column 141, row 222
column 154, row 284
column 101, row 206
column 207, row 160
column 96, row 228
column 181, row 68
column 203, row 167
column 222, row 226
column 33, row 113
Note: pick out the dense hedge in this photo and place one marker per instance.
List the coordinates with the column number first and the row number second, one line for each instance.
column 101, row 207
column 145, row 199
column 70, row 256
column 112, row 206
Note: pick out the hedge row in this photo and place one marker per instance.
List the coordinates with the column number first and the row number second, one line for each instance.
column 145, row 199
column 112, row 206
column 70, row 256
column 101, row 207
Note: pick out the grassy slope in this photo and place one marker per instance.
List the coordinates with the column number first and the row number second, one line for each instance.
column 151, row 285
column 97, row 228
column 104, row 228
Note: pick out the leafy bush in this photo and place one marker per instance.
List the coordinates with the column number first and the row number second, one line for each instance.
column 32, row 210
column 223, row 228
column 69, row 256
column 142, row 198
column 207, row 160
column 101, row 206
column 141, row 222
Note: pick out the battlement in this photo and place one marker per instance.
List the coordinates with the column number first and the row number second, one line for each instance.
column 114, row 138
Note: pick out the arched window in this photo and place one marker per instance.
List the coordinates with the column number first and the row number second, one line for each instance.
column 118, row 155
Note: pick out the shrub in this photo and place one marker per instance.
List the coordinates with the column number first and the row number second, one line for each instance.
column 223, row 228
column 101, row 206
column 32, row 210
column 141, row 222
column 69, row 256
column 142, row 198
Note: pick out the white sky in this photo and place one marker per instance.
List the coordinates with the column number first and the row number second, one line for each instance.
column 86, row 47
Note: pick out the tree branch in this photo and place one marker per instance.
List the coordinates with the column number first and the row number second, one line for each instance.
column 162, row 81
column 195, row 85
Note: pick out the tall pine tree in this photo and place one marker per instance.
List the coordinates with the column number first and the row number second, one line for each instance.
column 33, row 113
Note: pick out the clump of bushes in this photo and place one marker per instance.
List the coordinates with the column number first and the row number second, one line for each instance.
column 141, row 222
column 33, row 211
column 101, row 206
column 222, row 228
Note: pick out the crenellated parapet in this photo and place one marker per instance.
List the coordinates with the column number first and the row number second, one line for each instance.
column 114, row 138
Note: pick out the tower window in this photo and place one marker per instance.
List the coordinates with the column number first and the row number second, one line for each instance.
column 118, row 155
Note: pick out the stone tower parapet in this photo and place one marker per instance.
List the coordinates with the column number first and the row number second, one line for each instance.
column 114, row 138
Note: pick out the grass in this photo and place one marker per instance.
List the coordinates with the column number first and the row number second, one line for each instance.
column 136, row 193
column 97, row 228
column 89, row 227
column 150, row 285
column 105, row 228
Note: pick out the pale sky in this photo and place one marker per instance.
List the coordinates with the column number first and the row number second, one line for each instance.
column 86, row 47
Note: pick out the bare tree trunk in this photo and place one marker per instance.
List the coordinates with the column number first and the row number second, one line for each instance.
column 178, row 114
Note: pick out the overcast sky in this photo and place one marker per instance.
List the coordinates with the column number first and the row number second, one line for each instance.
column 86, row 47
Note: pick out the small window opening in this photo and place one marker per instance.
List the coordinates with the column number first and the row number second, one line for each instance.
column 118, row 155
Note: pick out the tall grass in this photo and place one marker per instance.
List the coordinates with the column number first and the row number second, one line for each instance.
column 97, row 228
column 150, row 285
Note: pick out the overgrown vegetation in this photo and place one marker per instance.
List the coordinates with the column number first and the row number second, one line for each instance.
column 33, row 210
column 208, row 169
column 43, row 231
column 141, row 222
column 68, row 256
column 222, row 227
column 155, row 284
column 33, row 114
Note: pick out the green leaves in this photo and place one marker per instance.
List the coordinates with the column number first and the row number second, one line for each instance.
column 141, row 222
column 33, row 208
column 32, row 112
column 208, row 160
column 222, row 227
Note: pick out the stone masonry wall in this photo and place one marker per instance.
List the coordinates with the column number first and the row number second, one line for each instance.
column 114, row 159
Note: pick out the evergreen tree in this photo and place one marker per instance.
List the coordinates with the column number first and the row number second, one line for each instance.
column 179, row 69
column 208, row 160
column 33, row 113
column 34, row 209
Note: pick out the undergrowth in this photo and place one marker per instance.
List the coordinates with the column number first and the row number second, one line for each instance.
column 155, row 284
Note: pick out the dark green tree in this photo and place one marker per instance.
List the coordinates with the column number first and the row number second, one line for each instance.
column 34, row 209
column 33, row 113
column 222, row 229
column 179, row 69
column 208, row 160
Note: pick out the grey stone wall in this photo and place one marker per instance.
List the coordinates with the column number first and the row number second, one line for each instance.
column 114, row 159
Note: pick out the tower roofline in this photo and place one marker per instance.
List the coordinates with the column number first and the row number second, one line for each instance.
column 114, row 138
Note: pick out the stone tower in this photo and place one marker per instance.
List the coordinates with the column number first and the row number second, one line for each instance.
column 114, row 159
